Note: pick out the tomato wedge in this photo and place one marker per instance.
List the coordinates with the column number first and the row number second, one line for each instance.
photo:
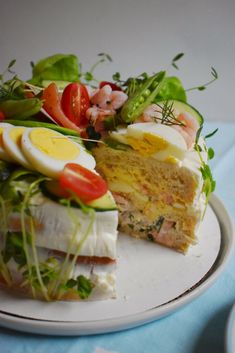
column 84, row 183
column 75, row 102
column 52, row 106
column 111, row 84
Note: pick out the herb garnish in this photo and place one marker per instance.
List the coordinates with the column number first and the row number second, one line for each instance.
column 175, row 59
column 167, row 114
column 209, row 183
column 45, row 278
column 203, row 87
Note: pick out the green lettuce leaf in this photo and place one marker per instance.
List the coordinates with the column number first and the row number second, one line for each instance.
column 58, row 67
column 172, row 88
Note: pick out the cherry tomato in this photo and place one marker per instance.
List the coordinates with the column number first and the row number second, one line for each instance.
column 112, row 85
column 84, row 183
column 75, row 102
column 52, row 106
column 2, row 116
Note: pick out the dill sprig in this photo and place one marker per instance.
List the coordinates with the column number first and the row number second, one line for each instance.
column 167, row 114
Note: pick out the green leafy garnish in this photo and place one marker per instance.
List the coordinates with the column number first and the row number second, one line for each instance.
column 210, row 153
column 88, row 76
column 215, row 76
column 209, row 183
column 142, row 97
column 172, row 88
column 59, row 67
column 211, row 134
column 175, row 59
column 14, row 248
column 13, row 103
column 167, row 116
column 82, row 284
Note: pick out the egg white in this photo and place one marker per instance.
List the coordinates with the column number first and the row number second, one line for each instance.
column 48, row 165
column 176, row 143
column 12, row 148
column 3, row 153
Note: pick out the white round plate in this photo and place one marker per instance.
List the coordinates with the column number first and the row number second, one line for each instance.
column 152, row 282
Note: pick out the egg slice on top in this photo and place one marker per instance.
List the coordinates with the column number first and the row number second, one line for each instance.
column 151, row 139
column 49, row 151
column 3, row 153
column 11, row 138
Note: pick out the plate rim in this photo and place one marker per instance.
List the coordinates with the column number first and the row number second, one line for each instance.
column 68, row 328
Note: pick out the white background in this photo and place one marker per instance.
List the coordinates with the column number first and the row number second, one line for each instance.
column 139, row 35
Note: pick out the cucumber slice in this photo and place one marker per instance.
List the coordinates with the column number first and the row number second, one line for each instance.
column 103, row 203
column 183, row 107
column 60, row 84
column 52, row 190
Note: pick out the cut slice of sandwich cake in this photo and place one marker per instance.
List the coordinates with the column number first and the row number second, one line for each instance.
column 156, row 181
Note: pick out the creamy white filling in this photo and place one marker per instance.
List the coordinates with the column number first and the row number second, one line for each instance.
column 103, row 277
column 63, row 229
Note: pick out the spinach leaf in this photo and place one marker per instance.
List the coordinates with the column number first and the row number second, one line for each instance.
column 59, row 67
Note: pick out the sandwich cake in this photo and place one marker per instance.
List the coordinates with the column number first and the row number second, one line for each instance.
column 80, row 161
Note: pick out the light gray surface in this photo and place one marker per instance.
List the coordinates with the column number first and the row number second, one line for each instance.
column 139, row 35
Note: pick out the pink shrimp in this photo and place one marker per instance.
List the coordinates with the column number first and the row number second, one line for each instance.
column 151, row 113
column 96, row 117
column 105, row 98
column 189, row 129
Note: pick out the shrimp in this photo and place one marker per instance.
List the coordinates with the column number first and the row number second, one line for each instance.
column 151, row 113
column 189, row 128
column 96, row 117
column 105, row 98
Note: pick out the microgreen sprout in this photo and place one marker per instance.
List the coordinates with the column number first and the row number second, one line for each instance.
column 214, row 75
column 88, row 76
column 175, row 59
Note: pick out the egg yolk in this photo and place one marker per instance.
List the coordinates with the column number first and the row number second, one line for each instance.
column 1, row 142
column 16, row 134
column 54, row 145
column 148, row 144
column 171, row 159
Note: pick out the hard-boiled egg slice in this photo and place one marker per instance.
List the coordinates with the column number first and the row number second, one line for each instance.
column 3, row 153
column 11, row 138
column 156, row 140
column 49, row 151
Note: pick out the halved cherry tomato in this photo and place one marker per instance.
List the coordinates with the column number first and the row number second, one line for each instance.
column 2, row 116
column 52, row 106
column 84, row 183
column 112, row 85
column 75, row 102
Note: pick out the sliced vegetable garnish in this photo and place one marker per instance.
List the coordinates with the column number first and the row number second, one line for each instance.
column 142, row 97
column 52, row 106
column 20, row 108
column 29, row 123
column 182, row 107
column 75, row 102
column 86, row 184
